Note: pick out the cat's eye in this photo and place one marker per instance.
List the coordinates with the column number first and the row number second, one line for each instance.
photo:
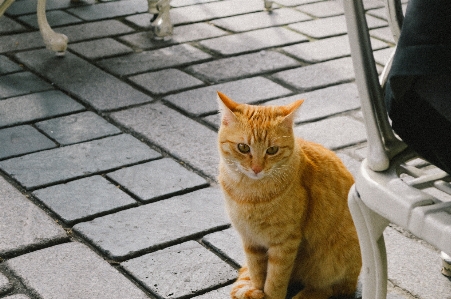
column 244, row 148
column 272, row 150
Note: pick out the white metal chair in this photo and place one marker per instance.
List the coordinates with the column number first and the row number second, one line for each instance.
column 392, row 186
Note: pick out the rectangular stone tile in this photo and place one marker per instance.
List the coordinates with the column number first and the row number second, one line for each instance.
column 21, row 41
column 327, row 49
column 36, row 106
column 258, row 20
column 222, row 293
column 241, row 66
column 78, row 127
column 323, row 9
column 153, row 60
column 180, row 3
column 21, row 140
column 382, row 56
column 110, row 9
column 21, row 83
column 100, row 48
column 228, row 243
column 384, row 34
column 5, row 285
column 24, row 226
column 92, row 85
column 244, row 91
column 151, row 226
column 318, row 75
column 54, row 17
column 29, row 6
column 7, row 66
column 92, row 30
column 147, row 183
column 51, row 166
column 180, row 270
column 253, row 40
column 177, row 134
column 333, row 133
column 72, row 270
column 80, row 199
column 8, row 25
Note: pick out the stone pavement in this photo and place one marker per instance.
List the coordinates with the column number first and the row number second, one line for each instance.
column 108, row 156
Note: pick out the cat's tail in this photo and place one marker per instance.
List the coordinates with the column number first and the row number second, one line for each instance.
column 243, row 289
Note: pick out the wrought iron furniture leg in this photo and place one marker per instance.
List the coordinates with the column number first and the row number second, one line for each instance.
column 161, row 22
column 56, row 42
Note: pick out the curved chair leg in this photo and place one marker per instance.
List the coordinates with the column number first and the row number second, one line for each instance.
column 161, row 23
column 56, row 42
column 370, row 228
column 268, row 4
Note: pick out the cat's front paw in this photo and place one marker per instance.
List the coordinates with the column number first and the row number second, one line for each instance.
column 243, row 289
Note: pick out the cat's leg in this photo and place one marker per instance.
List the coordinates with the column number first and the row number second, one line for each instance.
column 257, row 259
column 243, row 288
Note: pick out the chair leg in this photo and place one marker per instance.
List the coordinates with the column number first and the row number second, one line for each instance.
column 370, row 227
column 161, row 23
column 268, row 5
column 56, row 42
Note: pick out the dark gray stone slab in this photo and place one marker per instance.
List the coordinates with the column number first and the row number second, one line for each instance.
column 323, row 102
column 77, row 160
column 242, row 66
column 222, row 293
column 153, row 60
column 157, row 179
column 88, row 197
column 21, row 41
column 228, row 243
column 55, row 18
column 92, row 30
column 36, row 106
column 253, row 40
column 5, row 285
column 110, row 9
column 8, row 25
column 243, row 91
column 180, row 270
column 326, row 49
column 21, row 140
column 165, row 81
column 29, row 6
column 318, row 75
column 23, row 225
column 72, row 270
column 259, row 20
column 76, row 128
column 150, row 226
column 100, row 48
column 333, row 133
column 21, row 83
column 92, row 85
column 7, row 66
column 177, row 134
column 322, row 9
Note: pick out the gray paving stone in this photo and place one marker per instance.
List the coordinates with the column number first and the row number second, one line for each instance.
column 54, row 17
column 295, row 2
column 164, row 81
column 157, row 179
column 72, row 270
column 21, row 83
column 414, row 267
column 7, row 66
column 327, row 49
column 100, row 48
column 151, row 226
column 323, row 102
column 29, row 6
column 77, row 160
column 175, row 133
column 21, row 140
column 222, row 293
column 351, row 164
column 253, row 40
column 318, row 75
column 36, row 106
column 110, row 9
column 228, row 243
column 153, row 60
column 181, row 270
column 382, row 56
column 5, row 285
column 85, row 31
column 321, row 28
column 8, row 25
column 23, row 225
column 244, row 91
column 258, row 20
column 89, row 83
column 17, row 296
column 78, row 127
column 198, row 31
column 241, row 66
column 21, row 41
column 213, row 120
column 322, row 9
column 333, row 133
column 180, row 3
column 77, row 200
column 145, row 40
column 384, row 34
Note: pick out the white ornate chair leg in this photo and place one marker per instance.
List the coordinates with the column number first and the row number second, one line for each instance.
column 370, row 228
column 56, row 42
column 161, row 22
column 4, row 6
column 268, row 4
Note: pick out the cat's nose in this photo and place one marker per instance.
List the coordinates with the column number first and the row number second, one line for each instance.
column 257, row 169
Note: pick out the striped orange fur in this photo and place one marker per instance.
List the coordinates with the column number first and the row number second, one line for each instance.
column 287, row 198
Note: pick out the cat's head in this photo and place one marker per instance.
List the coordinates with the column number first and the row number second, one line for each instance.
column 256, row 141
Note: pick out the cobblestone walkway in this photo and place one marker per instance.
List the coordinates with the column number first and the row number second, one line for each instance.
column 108, row 155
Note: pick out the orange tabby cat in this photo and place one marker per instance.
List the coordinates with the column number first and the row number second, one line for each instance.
column 287, row 198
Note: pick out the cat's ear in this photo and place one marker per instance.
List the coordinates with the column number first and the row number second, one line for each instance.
column 226, row 108
column 291, row 112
